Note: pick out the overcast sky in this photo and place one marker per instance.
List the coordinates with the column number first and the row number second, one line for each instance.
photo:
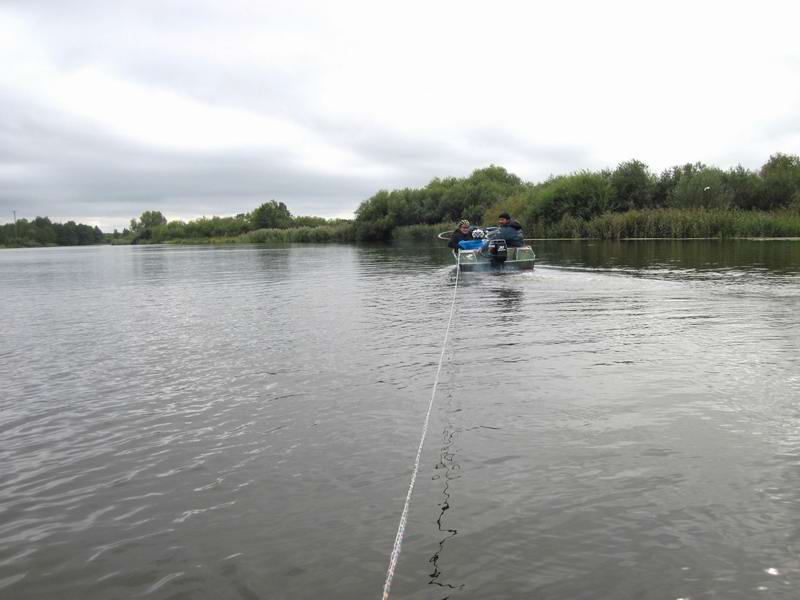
column 200, row 107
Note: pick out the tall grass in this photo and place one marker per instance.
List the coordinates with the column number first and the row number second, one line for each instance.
column 342, row 232
column 674, row 223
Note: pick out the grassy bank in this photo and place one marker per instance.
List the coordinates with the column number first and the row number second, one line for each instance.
column 690, row 200
column 673, row 223
column 340, row 232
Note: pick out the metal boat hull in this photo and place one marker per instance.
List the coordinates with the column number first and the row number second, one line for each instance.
column 519, row 259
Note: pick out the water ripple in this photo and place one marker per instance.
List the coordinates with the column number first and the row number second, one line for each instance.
column 222, row 422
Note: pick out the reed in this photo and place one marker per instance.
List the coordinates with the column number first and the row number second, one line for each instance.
column 342, row 232
column 674, row 223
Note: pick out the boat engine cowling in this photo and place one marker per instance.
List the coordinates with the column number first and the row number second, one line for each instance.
column 498, row 251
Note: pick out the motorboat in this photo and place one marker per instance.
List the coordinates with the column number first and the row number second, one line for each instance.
column 492, row 255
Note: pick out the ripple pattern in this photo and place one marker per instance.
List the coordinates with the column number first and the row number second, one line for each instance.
column 191, row 422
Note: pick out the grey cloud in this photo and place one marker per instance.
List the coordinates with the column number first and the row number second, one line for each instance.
column 540, row 156
column 96, row 174
column 419, row 159
column 175, row 49
column 54, row 164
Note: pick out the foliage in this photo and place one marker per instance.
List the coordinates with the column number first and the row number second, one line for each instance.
column 677, row 223
column 781, row 176
column 237, row 229
column 42, row 232
column 690, row 200
column 746, row 187
column 271, row 214
column 442, row 200
column 584, row 203
column 148, row 220
column 144, row 227
column 339, row 231
column 700, row 186
column 633, row 186
column 581, row 195
column 515, row 204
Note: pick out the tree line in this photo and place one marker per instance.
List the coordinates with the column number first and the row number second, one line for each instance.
column 571, row 204
column 43, row 232
column 270, row 221
column 690, row 200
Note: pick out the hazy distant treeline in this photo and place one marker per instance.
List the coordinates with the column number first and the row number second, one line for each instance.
column 42, row 232
column 693, row 200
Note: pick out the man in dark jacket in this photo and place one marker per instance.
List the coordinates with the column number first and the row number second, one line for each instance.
column 461, row 233
column 509, row 230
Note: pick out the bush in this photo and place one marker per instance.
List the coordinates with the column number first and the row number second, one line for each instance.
column 633, row 186
column 581, row 195
column 699, row 186
column 442, row 200
column 781, row 177
column 682, row 223
column 271, row 214
column 340, row 232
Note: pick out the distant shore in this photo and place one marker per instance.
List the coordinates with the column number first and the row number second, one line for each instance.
column 690, row 201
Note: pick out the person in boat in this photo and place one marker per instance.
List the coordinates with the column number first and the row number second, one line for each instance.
column 462, row 233
column 508, row 229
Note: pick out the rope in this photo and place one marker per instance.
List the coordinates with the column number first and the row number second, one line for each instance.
column 398, row 540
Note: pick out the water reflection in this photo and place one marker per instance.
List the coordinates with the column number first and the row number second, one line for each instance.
column 509, row 301
column 447, row 470
column 771, row 256
column 242, row 406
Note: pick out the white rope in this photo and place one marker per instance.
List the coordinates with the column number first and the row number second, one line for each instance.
column 398, row 540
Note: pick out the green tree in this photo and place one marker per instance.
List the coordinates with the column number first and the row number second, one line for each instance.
column 148, row 221
column 665, row 186
column 583, row 195
column 701, row 186
column 781, row 177
column 746, row 187
column 43, row 231
column 271, row 215
column 634, row 186
column 448, row 199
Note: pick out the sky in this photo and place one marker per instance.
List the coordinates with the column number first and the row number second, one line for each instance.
column 202, row 107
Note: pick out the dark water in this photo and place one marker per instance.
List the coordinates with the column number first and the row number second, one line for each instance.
column 624, row 422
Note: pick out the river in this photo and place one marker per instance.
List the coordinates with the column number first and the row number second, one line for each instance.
column 241, row 422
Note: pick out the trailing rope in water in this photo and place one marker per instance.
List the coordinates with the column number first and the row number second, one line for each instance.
column 398, row 540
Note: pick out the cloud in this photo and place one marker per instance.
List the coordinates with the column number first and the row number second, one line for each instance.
column 60, row 162
column 109, row 109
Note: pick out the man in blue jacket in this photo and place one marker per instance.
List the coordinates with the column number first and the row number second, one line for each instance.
column 509, row 230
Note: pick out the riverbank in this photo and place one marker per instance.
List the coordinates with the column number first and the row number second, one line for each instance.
column 652, row 224
column 659, row 223
column 34, row 244
column 674, row 223
column 338, row 233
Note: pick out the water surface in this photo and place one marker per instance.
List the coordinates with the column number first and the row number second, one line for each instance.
column 240, row 422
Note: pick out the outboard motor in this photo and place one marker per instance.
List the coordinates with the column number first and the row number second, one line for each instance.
column 498, row 252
